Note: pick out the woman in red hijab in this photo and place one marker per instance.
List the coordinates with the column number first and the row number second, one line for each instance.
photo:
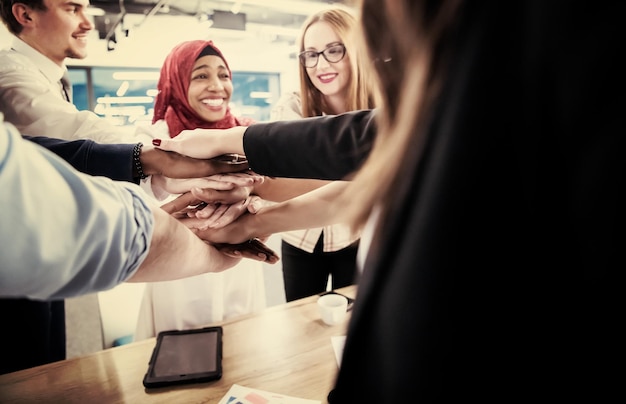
column 195, row 88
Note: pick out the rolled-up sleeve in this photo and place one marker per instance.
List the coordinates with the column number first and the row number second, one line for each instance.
column 65, row 233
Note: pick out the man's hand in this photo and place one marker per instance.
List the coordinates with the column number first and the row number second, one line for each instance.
column 254, row 249
column 171, row 164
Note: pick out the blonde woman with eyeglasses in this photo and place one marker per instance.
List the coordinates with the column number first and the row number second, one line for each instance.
column 332, row 81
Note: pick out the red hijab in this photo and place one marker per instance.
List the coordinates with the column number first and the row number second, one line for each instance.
column 171, row 102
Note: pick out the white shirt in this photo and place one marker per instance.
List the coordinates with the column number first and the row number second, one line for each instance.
column 31, row 98
column 337, row 236
column 64, row 233
column 200, row 300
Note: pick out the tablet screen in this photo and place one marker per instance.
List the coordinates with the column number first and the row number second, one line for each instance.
column 185, row 356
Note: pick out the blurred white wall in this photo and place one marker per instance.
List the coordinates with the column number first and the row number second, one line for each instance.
column 150, row 40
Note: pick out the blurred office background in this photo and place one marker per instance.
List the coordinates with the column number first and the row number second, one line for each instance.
column 118, row 82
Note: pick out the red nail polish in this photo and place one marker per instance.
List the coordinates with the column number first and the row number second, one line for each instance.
column 156, row 142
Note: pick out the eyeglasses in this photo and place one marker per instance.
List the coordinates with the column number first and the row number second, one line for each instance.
column 332, row 54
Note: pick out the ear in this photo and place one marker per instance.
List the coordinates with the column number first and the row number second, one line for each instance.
column 22, row 13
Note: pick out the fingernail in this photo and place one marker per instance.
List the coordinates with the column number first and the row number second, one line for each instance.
column 156, row 142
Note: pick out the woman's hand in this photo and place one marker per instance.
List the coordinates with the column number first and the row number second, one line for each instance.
column 209, row 208
column 254, row 249
column 257, row 204
column 185, row 207
column 214, row 216
column 233, row 240
column 219, row 182
column 204, row 143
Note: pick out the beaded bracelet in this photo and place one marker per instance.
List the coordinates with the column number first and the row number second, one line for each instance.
column 137, row 162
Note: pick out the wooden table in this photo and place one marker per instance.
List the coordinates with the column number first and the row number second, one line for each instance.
column 285, row 349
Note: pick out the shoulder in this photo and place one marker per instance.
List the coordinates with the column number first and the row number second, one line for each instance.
column 158, row 129
column 291, row 99
column 244, row 121
column 289, row 106
column 11, row 61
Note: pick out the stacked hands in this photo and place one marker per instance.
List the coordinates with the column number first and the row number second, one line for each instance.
column 213, row 206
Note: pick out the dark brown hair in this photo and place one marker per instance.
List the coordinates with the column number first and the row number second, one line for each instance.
column 6, row 11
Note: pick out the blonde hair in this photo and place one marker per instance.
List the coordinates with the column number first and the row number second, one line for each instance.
column 360, row 94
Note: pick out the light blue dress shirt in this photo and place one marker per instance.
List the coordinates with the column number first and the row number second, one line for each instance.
column 64, row 233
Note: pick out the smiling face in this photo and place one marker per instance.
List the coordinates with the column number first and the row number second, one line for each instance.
column 60, row 31
column 210, row 88
column 331, row 79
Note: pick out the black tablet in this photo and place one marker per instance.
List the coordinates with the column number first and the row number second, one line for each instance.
column 190, row 356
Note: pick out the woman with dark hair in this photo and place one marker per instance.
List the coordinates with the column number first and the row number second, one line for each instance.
column 495, row 223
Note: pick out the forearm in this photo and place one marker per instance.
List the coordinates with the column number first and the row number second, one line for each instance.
column 175, row 252
column 281, row 189
column 108, row 160
column 313, row 209
column 229, row 141
column 90, row 236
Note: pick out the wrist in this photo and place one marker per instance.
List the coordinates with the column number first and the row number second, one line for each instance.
column 253, row 226
column 138, row 167
column 232, row 142
column 270, row 219
column 149, row 158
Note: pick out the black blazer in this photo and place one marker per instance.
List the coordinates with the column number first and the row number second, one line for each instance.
column 327, row 148
column 498, row 277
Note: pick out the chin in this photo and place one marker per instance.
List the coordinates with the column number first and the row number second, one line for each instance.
column 76, row 55
column 214, row 117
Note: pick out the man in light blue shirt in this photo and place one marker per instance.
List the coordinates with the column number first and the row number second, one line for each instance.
column 65, row 233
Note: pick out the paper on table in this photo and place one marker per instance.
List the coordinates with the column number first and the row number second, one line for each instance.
column 338, row 343
column 244, row 395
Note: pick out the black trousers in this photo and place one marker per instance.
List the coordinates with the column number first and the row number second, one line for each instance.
column 306, row 274
column 33, row 331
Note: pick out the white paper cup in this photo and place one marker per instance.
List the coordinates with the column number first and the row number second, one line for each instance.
column 333, row 308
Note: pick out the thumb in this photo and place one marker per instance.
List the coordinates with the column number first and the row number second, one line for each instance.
column 257, row 204
column 180, row 203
